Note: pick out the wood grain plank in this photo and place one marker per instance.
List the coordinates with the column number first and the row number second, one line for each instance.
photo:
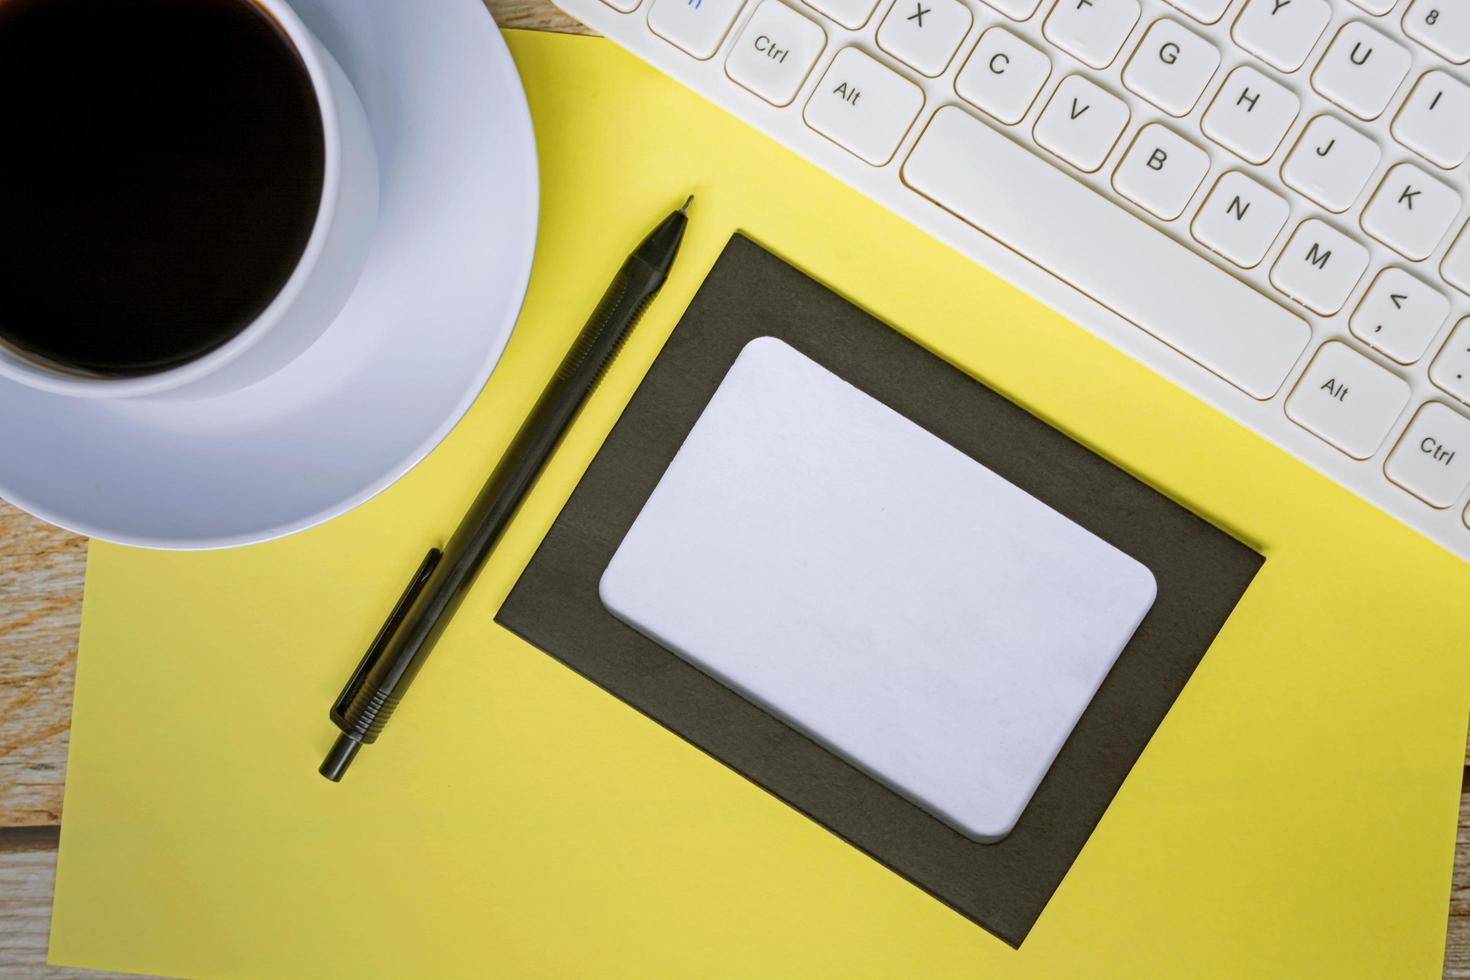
column 41, row 571
column 1457, row 940
column 535, row 15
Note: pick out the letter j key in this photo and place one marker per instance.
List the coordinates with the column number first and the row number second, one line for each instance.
column 1331, row 163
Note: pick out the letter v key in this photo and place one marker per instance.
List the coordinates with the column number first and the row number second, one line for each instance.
column 1081, row 123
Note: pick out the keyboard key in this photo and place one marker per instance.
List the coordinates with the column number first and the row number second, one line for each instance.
column 1092, row 31
column 1361, row 70
column 1161, row 171
column 1347, row 400
column 1442, row 26
column 1456, row 265
column 1015, row 9
column 775, row 52
column 1378, row 7
column 1432, row 459
column 697, row 26
column 925, row 34
column 1171, row 67
column 1204, row 11
column 1410, row 212
column 1081, row 123
column 1125, row 264
column 1250, row 114
column 1451, row 369
column 1003, row 75
column 1331, row 163
column 1435, row 120
column 863, row 106
column 1240, row 219
column 849, row 13
column 1319, row 267
column 626, row 6
column 1400, row 315
column 1281, row 34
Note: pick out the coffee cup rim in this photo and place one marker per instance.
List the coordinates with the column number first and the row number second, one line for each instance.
column 26, row 370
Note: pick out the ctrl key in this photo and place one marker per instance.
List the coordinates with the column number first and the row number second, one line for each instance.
column 775, row 52
column 1432, row 460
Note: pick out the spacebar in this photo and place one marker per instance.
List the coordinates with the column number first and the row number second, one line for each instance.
column 1133, row 269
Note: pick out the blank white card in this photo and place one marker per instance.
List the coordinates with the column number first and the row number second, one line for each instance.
column 861, row 579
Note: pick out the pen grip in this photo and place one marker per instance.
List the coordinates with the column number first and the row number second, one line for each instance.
column 369, row 711
column 608, row 327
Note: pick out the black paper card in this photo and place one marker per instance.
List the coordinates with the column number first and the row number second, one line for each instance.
column 1201, row 574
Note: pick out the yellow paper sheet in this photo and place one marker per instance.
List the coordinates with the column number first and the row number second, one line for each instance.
column 1293, row 816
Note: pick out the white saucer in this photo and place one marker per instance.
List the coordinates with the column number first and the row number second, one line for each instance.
column 398, row 368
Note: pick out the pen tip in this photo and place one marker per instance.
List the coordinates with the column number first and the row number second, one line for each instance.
column 685, row 208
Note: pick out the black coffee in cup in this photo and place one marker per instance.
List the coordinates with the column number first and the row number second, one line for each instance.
column 161, row 173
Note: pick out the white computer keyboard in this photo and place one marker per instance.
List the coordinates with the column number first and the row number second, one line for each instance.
column 1264, row 200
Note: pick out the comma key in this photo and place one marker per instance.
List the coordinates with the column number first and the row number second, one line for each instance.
column 1400, row 315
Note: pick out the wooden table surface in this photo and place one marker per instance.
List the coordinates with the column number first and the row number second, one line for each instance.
column 41, row 572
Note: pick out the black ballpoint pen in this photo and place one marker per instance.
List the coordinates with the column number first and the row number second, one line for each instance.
column 439, row 585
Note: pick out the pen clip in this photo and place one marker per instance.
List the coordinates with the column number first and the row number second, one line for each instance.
column 390, row 626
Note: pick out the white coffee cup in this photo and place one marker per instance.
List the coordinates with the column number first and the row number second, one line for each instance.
column 317, row 288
